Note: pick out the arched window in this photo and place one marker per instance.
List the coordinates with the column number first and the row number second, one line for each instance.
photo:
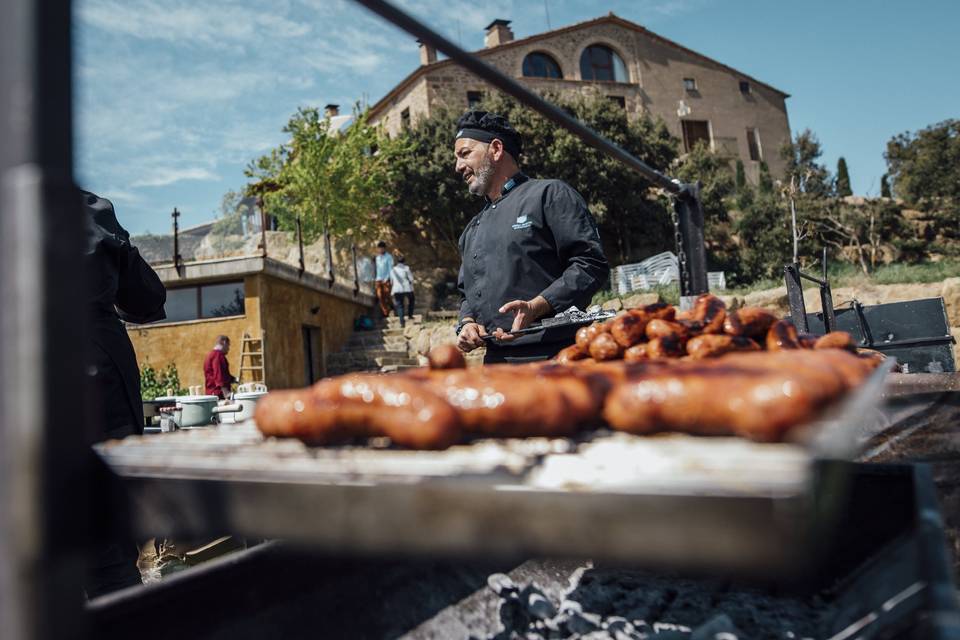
column 540, row 65
column 599, row 62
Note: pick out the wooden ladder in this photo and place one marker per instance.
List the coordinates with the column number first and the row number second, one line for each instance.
column 251, row 359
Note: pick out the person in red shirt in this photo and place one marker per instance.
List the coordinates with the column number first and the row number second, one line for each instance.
column 216, row 369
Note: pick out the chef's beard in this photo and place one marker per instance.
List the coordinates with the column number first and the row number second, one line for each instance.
column 482, row 177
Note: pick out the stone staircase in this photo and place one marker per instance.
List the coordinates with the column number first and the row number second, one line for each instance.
column 384, row 348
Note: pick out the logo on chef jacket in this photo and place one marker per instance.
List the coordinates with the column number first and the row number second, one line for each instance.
column 522, row 222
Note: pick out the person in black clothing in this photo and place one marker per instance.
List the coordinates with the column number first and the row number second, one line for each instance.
column 121, row 287
column 532, row 251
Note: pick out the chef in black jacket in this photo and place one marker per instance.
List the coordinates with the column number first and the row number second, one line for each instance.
column 121, row 286
column 533, row 250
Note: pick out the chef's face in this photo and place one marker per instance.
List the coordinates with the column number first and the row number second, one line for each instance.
column 475, row 164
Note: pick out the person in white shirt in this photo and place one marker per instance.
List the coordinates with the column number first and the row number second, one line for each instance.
column 401, row 281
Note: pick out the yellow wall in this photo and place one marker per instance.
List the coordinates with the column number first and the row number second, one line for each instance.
column 286, row 309
column 185, row 344
column 278, row 307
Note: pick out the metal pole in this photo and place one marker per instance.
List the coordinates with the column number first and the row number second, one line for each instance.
column 303, row 266
column 263, row 227
column 356, row 271
column 43, row 331
column 798, row 310
column 177, row 259
column 512, row 87
column 693, row 266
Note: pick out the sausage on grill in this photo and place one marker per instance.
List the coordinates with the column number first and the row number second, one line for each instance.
column 604, row 347
column 628, row 329
column 751, row 322
column 713, row 345
column 836, row 340
column 782, row 336
column 361, row 405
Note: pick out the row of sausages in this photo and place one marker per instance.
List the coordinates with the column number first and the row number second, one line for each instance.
column 708, row 330
column 759, row 395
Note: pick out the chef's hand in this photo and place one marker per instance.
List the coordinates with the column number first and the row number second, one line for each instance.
column 524, row 313
column 470, row 336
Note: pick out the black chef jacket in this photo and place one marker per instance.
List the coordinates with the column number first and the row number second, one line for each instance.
column 537, row 238
column 121, row 286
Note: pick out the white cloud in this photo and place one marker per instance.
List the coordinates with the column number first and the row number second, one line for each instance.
column 163, row 176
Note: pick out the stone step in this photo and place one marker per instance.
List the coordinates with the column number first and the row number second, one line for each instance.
column 368, row 353
column 374, row 342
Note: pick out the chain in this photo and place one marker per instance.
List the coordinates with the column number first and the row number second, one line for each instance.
column 681, row 254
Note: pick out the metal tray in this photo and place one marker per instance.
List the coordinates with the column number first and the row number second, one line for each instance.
column 719, row 504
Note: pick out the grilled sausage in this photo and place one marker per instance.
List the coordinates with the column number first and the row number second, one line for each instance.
column 754, row 395
column 665, row 347
column 836, row 340
column 711, row 345
column 658, row 328
column 807, row 340
column 446, row 356
column 507, row 402
column 660, row 310
column 781, row 336
column 636, row 353
column 604, row 347
column 627, row 329
column 751, row 322
column 710, row 312
column 570, row 354
column 361, row 405
column 585, row 335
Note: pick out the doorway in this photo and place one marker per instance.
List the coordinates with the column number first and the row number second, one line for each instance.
column 313, row 366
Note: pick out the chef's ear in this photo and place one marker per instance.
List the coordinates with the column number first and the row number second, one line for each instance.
column 496, row 149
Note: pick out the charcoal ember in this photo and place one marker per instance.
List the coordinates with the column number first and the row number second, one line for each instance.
column 570, row 607
column 539, row 606
column 719, row 627
column 583, row 623
column 501, row 584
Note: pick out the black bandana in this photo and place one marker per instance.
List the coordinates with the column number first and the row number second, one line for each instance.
column 486, row 127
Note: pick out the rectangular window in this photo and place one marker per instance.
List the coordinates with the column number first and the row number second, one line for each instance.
column 619, row 100
column 690, row 84
column 695, row 131
column 181, row 304
column 744, row 87
column 220, row 300
column 405, row 119
column 205, row 301
column 474, row 98
column 753, row 143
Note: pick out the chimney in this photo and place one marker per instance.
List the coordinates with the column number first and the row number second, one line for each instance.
column 498, row 32
column 331, row 110
column 428, row 55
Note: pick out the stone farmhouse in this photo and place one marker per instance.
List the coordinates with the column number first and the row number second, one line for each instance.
column 699, row 98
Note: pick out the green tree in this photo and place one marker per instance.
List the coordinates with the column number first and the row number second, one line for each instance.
column 763, row 231
column 334, row 181
column 843, row 178
column 802, row 171
column 925, row 170
column 155, row 384
column 713, row 170
column 925, row 165
column 885, row 187
column 741, row 181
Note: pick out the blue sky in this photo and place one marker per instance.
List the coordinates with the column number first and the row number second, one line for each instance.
column 175, row 97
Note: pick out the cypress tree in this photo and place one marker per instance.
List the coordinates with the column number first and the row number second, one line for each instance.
column 741, row 176
column 884, row 187
column 843, row 178
column 766, row 181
